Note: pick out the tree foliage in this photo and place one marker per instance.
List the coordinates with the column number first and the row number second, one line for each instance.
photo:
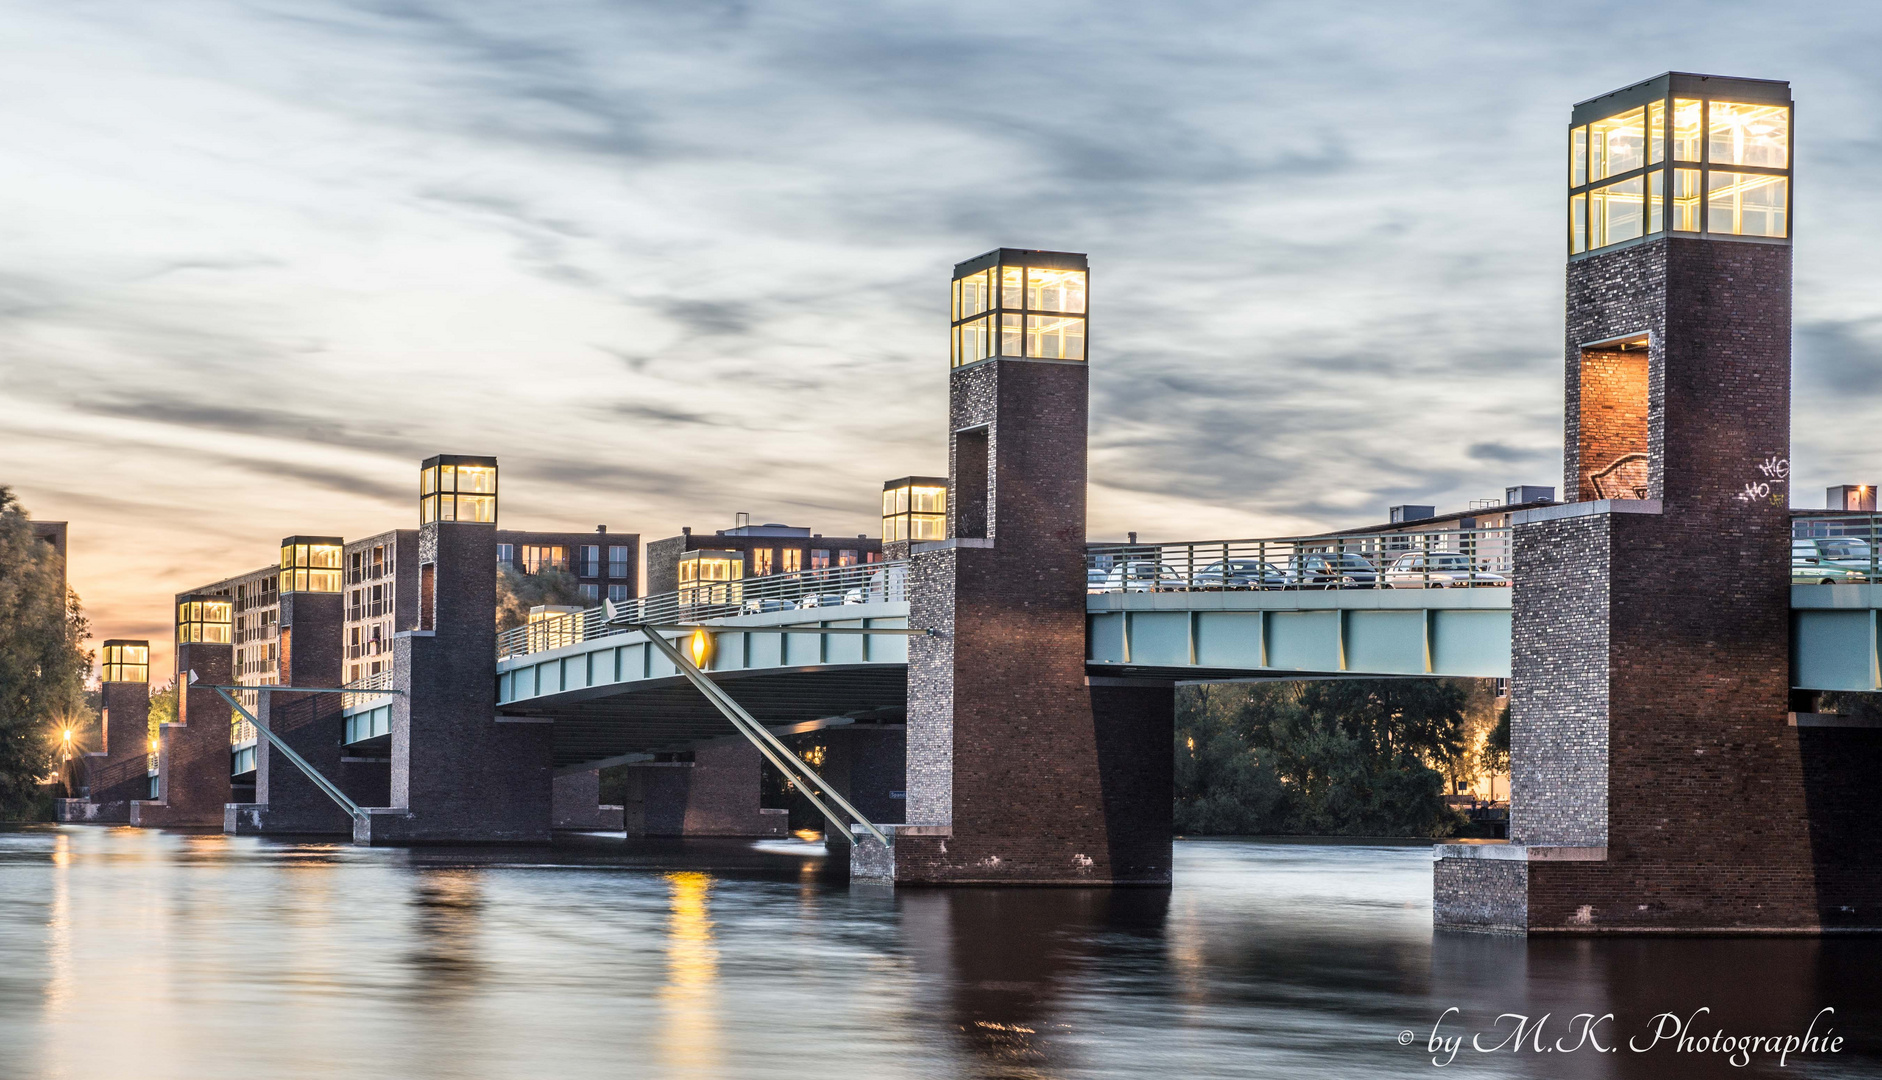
column 42, row 659
column 517, row 592
column 1345, row 757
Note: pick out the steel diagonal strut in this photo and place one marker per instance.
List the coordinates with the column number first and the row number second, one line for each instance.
column 768, row 744
column 325, row 785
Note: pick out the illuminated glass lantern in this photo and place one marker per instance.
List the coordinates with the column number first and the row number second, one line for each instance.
column 452, row 487
column 915, row 508
column 1022, row 305
column 125, row 661
column 1679, row 154
column 203, row 620
column 311, row 564
column 712, row 576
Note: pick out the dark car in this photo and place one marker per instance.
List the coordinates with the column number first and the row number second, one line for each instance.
column 1241, row 574
column 1332, row 570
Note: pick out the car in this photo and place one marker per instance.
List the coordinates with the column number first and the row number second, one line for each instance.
column 760, row 605
column 1094, row 580
column 823, row 600
column 1241, row 574
column 1438, row 570
column 1143, row 575
column 1331, row 570
column 1832, row 560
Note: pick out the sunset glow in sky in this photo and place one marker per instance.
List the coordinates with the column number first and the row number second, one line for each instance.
column 670, row 262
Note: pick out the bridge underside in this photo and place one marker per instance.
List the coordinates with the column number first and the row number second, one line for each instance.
column 656, row 715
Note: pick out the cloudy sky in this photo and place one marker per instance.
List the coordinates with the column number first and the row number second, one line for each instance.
column 674, row 261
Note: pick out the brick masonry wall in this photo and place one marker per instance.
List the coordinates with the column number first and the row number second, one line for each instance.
column 286, row 801
column 1039, row 784
column 1709, row 809
column 1482, row 894
column 193, row 754
column 122, row 773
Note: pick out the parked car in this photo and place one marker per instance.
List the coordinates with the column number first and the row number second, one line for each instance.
column 1832, row 560
column 1143, row 575
column 1094, row 580
column 1332, row 570
column 1438, row 570
column 758, row 605
column 1241, row 574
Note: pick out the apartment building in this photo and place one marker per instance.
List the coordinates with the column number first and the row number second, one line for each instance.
column 748, row 551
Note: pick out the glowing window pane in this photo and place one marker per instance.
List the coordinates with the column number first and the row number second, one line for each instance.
column 1656, row 201
column 1686, row 129
column 892, row 529
column 888, row 503
column 1055, row 337
column 1749, row 135
column 1685, row 200
column 1615, row 213
column 1746, row 204
column 325, row 555
column 428, row 480
column 1656, row 132
column 974, row 294
column 1012, row 334
column 974, row 342
column 928, row 500
column 476, row 508
column 1577, row 224
column 1055, row 290
column 428, row 510
column 1012, row 286
column 447, row 508
column 1578, row 157
column 478, row 479
column 1617, row 144
column 447, row 478
column 927, row 527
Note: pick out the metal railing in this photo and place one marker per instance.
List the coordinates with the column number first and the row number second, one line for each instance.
column 1413, row 559
column 832, row 587
column 1836, row 549
column 362, row 689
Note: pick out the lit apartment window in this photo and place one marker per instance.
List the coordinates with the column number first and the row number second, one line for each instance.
column 539, row 557
column 763, row 562
column 845, row 557
column 819, row 559
column 126, row 661
column 456, row 488
column 310, row 564
column 793, row 560
column 710, row 576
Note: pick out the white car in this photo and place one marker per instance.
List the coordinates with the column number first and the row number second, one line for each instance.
column 1438, row 570
column 1142, row 575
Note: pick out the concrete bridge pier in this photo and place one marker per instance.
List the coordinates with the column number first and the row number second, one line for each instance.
column 193, row 753
column 1019, row 771
column 715, row 794
column 459, row 773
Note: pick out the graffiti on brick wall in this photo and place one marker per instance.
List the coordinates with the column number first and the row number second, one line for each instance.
column 1624, row 478
column 1776, row 472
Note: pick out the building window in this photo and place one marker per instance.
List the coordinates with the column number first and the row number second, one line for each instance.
column 710, row 576
column 620, row 594
column 845, row 557
column 203, row 620
column 620, row 561
column 793, row 560
column 311, row 564
column 591, row 594
column 915, row 508
column 537, row 558
column 126, row 661
column 819, row 559
column 591, row 560
column 1746, row 204
column 506, row 553
column 763, row 562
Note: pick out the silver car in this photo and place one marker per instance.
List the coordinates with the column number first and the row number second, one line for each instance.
column 1438, row 570
column 1143, row 575
column 1832, row 560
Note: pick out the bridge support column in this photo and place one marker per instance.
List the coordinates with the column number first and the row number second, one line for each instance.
column 577, row 804
column 193, row 753
column 120, row 771
column 286, row 801
column 459, row 773
column 1656, row 782
column 717, row 794
column 1019, row 772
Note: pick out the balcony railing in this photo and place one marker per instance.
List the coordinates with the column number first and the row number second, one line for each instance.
column 1433, row 559
column 364, row 688
column 833, row 587
column 1836, row 549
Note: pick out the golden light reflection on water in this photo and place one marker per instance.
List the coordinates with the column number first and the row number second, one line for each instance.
column 689, row 1040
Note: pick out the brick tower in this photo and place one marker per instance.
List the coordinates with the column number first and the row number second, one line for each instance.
column 312, row 616
column 1018, row 771
column 1656, row 781
column 118, row 771
column 193, row 753
column 459, row 773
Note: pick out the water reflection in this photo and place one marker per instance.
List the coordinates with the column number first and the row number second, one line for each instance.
column 131, row 953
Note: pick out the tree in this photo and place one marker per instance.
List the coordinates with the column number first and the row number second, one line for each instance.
column 42, row 659
column 517, row 592
column 1496, row 748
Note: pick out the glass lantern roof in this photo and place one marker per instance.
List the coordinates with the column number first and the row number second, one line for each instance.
column 1019, row 305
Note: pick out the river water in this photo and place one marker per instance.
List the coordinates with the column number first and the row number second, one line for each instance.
column 149, row 955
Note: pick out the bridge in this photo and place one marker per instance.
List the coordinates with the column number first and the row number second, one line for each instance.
column 1426, row 603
